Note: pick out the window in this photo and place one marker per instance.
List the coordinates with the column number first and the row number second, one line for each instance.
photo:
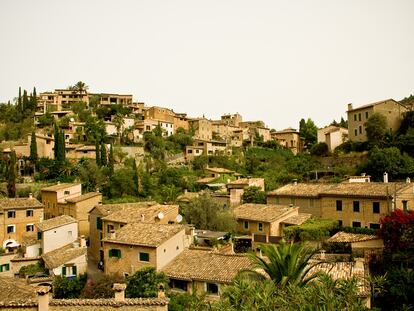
column 340, row 223
column 109, row 228
column 39, row 235
column 115, row 253
column 356, row 224
column 356, row 132
column 376, row 207
column 339, row 205
column 67, row 192
column 374, row 226
column 260, row 226
column 356, row 206
column 359, row 117
column 11, row 228
column 360, row 129
column 366, row 115
column 246, row 225
column 29, row 228
column 69, row 271
column 144, row 257
column 69, row 233
column 29, row 213
column 99, row 223
column 405, row 205
column 212, row 289
column 11, row 214
column 355, row 117
column 5, row 267
column 178, row 284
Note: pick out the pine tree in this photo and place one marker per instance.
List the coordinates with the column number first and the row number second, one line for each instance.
column 111, row 160
column 104, row 156
column 97, row 153
column 135, row 176
column 11, row 176
column 33, row 149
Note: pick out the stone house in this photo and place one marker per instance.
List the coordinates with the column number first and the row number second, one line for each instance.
column 18, row 217
column 333, row 136
column 237, row 187
column 288, row 138
column 352, row 204
column 357, row 117
column 202, row 128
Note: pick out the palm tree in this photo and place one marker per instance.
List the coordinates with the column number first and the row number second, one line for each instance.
column 284, row 264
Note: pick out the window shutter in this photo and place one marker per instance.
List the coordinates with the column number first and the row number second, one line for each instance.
column 63, row 271
column 119, row 253
column 74, row 270
column 110, row 253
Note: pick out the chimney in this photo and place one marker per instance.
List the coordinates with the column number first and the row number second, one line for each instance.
column 408, row 180
column 43, row 298
column 30, row 195
column 119, row 289
column 350, row 106
column 161, row 292
column 323, row 254
column 295, row 182
column 142, row 217
column 185, row 191
column 82, row 241
column 385, row 177
column 58, row 183
column 363, row 174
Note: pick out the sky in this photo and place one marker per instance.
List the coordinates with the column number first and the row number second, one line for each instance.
column 276, row 61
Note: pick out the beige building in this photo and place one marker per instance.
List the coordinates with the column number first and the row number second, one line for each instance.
column 62, row 99
column 58, row 193
column 204, row 271
column 288, row 138
column 18, row 217
column 232, row 119
column 265, row 222
column 203, row 129
column 138, row 245
column 110, row 217
column 113, row 99
column 361, row 244
column 256, row 128
column 181, row 121
column 237, row 187
column 333, row 136
column 352, row 204
column 357, row 117
column 206, row 147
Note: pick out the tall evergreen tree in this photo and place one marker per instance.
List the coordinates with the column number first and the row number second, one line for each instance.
column 135, row 176
column 19, row 100
column 33, row 100
column 25, row 104
column 104, row 156
column 11, row 176
column 97, row 153
column 33, row 149
column 57, row 141
column 111, row 160
column 62, row 149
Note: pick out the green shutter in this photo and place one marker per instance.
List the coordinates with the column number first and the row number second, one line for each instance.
column 119, row 253
column 74, row 270
column 39, row 235
column 99, row 223
column 110, row 253
column 63, row 271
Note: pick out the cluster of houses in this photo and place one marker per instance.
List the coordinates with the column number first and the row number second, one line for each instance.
column 70, row 232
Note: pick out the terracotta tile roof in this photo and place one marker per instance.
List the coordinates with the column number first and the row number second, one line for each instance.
column 245, row 181
column 14, row 290
column 369, row 189
column 55, row 222
column 297, row 219
column 30, row 239
column 345, row 237
column 62, row 255
column 261, row 212
column 206, row 180
column 202, row 265
column 144, row 234
column 16, row 203
column 210, row 234
column 134, row 213
column 219, row 170
column 58, row 187
column 84, row 197
column 106, row 209
column 110, row 302
column 374, row 104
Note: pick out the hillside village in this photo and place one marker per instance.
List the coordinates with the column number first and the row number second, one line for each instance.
column 99, row 190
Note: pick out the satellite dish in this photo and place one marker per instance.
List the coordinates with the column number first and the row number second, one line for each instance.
column 179, row 218
column 160, row 215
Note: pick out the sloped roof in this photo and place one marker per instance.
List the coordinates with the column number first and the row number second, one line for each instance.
column 106, row 209
column 245, row 181
column 30, row 239
column 297, row 219
column 261, row 212
column 55, row 222
column 134, row 213
column 62, row 255
column 345, row 237
column 14, row 290
column 83, row 197
column 219, row 170
column 202, row 265
column 16, row 203
column 144, row 234
column 58, row 187
column 374, row 104
column 369, row 189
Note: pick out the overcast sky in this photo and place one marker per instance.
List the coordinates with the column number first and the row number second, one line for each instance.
column 276, row 61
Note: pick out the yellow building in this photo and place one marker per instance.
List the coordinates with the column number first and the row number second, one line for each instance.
column 138, row 245
column 288, row 138
column 58, row 193
column 202, row 128
column 18, row 218
column 204, row 272
column 391, row 109
column 106, row 99
column 352, row 204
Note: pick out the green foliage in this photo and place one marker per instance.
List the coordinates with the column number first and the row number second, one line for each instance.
column 319, row 149
column 122, row 182
column 308, row 131
column 65, row 288
column 254, row 195
column 313, row 229
column 92, row 177
column 376, row 127
column 33, row 149
column 145, row 283
column 101, row 288
column 206, row 213
column 187, row 302
column 32, row 270
column 46, row 119
column 11, row 176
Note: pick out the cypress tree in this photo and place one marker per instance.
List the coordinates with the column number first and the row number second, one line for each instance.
column 33, row 100
column 26, row 104
column 97, row 153
column 111, row 160
column 11, row 176
column 136, row 181
column 62, row 149
column 57, row 141
column 104, row 156
column 19, row 100
column 33, row 149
